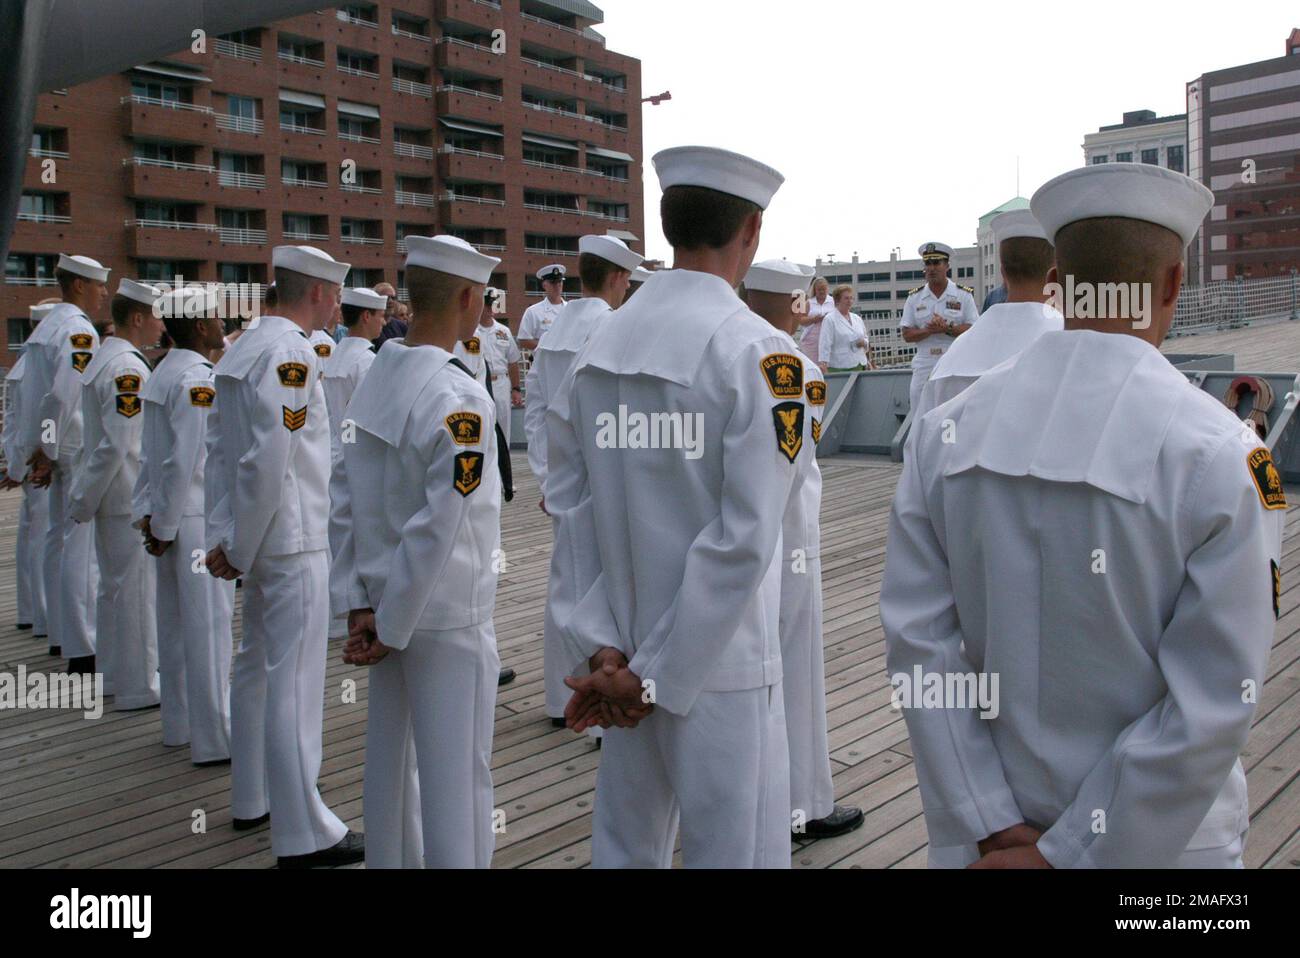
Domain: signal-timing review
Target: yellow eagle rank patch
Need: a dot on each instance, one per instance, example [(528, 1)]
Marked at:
[(784, 375), (128, 405), (293, 375), (466, 428), (788, 419), (1268, 481), (323, 350), (816, 390), (202, 396), (294, 419), (81, 360), (81, 340), (468, 473)]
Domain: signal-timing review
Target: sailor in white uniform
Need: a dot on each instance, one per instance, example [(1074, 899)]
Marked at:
[(1104, 538), (605, 265), (774, 289), (193, 612), (418, 502), (539, 317), (1009, 327), (34, 513), (934, 316), (363, 311), (59, 351), (270, 519), (669, 529), (126, 633), (501, 359)]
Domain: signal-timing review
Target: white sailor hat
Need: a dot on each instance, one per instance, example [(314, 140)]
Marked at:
[(310, 262), (141, 293), (451, 255), (778, 276), (641, 274), (611, 248), (720, 170), (934, 251), (1135, 191), (192, 301), (37, 313), (83, 266), (548, 272), (1015, 224), (364, 298)]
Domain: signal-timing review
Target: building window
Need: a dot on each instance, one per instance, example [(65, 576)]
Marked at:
[(31, 269), (1124, 157), (151, 90), (1098, 160), (19, 330), (1174, 159), (1151, 157), (166, 271)]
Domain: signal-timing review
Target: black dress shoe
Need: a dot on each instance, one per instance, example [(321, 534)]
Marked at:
[(84, 665), (24, 626), (350, 850), (56, 651), (840, 821), (506, 677), (559, 723), (248, 824), (212, 764)]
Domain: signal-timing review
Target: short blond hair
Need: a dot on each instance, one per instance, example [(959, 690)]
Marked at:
[(838, 290)]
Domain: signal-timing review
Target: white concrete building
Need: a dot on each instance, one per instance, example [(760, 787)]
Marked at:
[(1143, 137)]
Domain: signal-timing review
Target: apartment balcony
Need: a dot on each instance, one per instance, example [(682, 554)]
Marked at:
[(298, 128), (556, 36), (471, 211), (559, 80), (38, 281), (555, 178), (453, 54), (237, 51), (456, 163), (410, 46), (413, 157), (160, 179), (293, 236), (423, 200), (303, 195), (468, 104), (412, 88), (240, 124), (150, 118), (56, 218), (557, 121), (363, 240), (241, 181), (558, 219), (164, 239), (480, 13), (241, 237)]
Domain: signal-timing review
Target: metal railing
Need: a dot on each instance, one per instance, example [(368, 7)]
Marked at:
[(551, 66), (358, 22), (296, 128), (453, 88), (43, 218), (550, 23), (171, 225), (453, 41), (461, 198), (296, 58), (248, 181), (30, 281), (364, 240), (358, 72), (612, 217), (541, 251), (399, 32), (359, 138), (50, 154), (413, 149), (557, 111), (553, 166), (306, 237), (543, 208), (358, 188), (403, 198), (242, 237), (1235, 303), (166, 164), (240, 51), (167, 104), (414, 87), (448, 150), (240, 124), (310, 184)]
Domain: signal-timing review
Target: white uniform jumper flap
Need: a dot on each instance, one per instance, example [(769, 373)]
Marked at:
[(108, 353), (1110, 393), (664, 329), (1004, 331), (407, 370), (573, 326), (170, 370), (240, 358)]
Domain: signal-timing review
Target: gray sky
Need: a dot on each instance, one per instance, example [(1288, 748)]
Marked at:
[(899, 123)]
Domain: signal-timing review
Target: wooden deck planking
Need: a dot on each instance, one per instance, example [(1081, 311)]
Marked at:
[(81, 794)]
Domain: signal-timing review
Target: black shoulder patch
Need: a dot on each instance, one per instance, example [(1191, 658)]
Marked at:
[(784, 375), (202, 396), (323, 350), (81, 360), (788, 419), (293, 375), (81, 340), (129, 383), (466, 428), (467, 474), (816, 390), (1268, 481), (473, 346), (128, 405)]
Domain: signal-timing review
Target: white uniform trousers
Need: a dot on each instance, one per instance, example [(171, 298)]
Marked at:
[(33, 524), (194, 648), (432, 705), (812, 796), (124, 612), (71, 577), (553, 657), (723, 769), (919, 378), (501, 394), (277, 703)]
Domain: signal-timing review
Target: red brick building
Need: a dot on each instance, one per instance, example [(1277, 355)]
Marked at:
[(509, 124)]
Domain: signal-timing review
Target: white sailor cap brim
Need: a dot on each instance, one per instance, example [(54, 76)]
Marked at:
[(1135, 191), (779, 276), (450, 255), (37, 313), (641, 274), (549, 272), (1016, 224), (83, 266), (934, 251), (612, 249), (310, 261), (189, 302), (364, 298), (720, 170), (141, 293)]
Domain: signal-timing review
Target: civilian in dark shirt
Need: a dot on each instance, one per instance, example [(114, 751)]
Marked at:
[(394, 326)]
